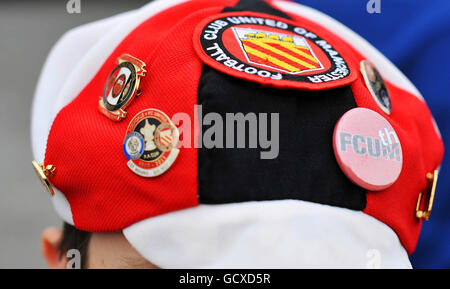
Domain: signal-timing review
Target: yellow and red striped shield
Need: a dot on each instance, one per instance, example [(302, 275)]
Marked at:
[(288, 53), (165, 137)]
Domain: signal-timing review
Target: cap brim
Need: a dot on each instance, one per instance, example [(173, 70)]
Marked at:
[(268, 234)]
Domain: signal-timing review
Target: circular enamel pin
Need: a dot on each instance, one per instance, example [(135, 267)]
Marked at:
[(272, 51), (133, 146), (376, 86), (367, 149), (150, 143), (121, 87)]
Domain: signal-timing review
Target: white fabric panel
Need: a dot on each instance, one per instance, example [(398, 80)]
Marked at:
[(269, 234), (62, 207)]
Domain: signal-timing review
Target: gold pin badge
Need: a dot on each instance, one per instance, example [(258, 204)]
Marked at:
[(43, 174), (151, 143), (121, 87), (426, 198)]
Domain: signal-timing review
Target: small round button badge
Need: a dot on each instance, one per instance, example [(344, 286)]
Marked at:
[(367, 149), (133, 146), (376, 86)]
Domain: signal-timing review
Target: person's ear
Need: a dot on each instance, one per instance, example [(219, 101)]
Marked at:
[(51, 237)]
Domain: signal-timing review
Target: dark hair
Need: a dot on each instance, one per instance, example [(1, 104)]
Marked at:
[(75, 239)]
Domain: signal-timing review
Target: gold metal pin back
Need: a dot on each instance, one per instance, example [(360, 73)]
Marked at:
[(426, 198), (43, 174)]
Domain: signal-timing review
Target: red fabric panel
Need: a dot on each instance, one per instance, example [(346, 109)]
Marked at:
[(422, 153), (86, 147), (422, 148)]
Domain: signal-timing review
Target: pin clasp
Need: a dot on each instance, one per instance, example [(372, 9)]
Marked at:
[(43, 174), (425, 199)]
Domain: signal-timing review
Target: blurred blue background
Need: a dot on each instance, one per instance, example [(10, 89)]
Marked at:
[(414, 35)]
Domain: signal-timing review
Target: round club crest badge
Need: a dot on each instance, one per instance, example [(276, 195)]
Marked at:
[(273, 51), (376, 86), (133, 146), (121, 87), (150, 143)]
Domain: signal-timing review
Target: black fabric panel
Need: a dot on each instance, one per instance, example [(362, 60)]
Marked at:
[(256, 6), (305, 169)]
